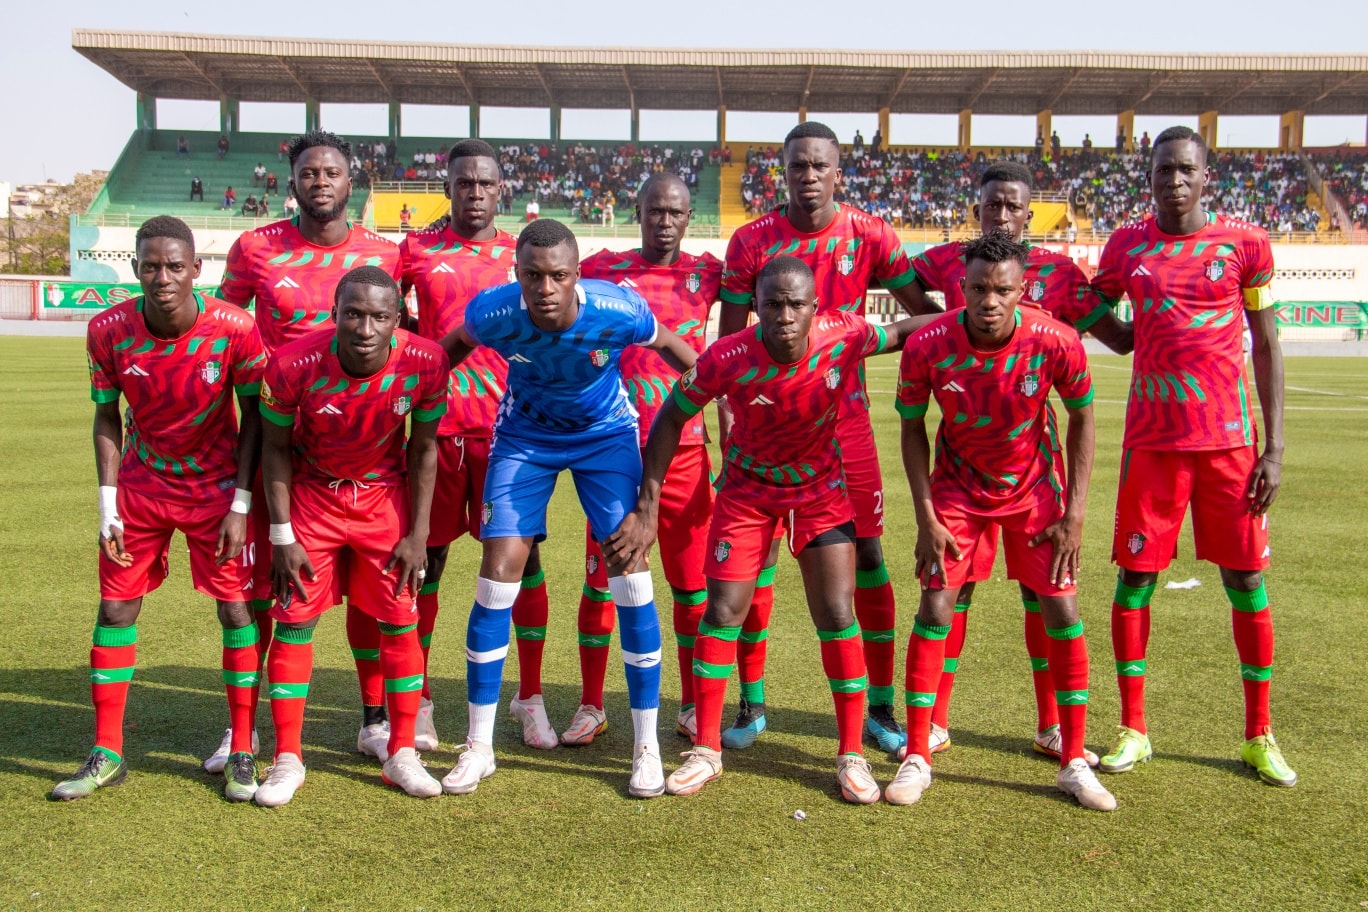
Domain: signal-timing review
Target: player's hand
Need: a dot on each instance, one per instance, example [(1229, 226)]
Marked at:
[(933, 541), (1263, 484), (631, 541), (232, 536), (1066, 540), (289, 565), (410, 556), (113, 546)]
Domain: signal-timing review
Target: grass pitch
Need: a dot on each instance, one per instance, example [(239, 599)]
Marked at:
[(556, 829)]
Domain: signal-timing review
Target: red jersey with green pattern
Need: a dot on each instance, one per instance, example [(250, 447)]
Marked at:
[(680, 296), (1053, 282), (448, 271), (853, 252), (293, 280), (1188, 386), (180, 429), (353, 427), (997, 442), (785, 414)]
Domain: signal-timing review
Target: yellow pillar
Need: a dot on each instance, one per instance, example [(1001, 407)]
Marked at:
[(721, 125), (966, 138), (1044, 127), (802, 114), (1125, 126), (883, 127), (1206, 128), (1290, 131)]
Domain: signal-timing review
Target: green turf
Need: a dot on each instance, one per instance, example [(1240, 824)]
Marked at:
[(556, 829)]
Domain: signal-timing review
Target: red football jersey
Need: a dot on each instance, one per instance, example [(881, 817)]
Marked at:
[(1188, 386), (448, 271), (180, 430), (997, 440), (353, 427), (680, 296), (785, 414), (1053, 282), (292, 280)]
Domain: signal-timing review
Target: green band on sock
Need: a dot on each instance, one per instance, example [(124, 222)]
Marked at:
[(1072, 632), (366, 655), (729, 634), (877, 636), (595, 640), (1130, 597), (871, 579), (1031, 605), (950, 666), (684, 641), (881, 696), (920, 700), (115, 636), (241, 678), (961, 607), (1039, 664), (529, 633), (709, 670), (766, 576), (1256, 672), (430, 588), (755, 636), (260, 605), (849, 685), (282, 691), (690, 597), (404, 685), (1071, 697), (533, 580), (300, 635), (108, 753), (828, 636), (425, 641), (753, 691), (395, 630), (111, 675), (1248, 601), (929, 631), (241, 637), (596, 595), (1131, 668)]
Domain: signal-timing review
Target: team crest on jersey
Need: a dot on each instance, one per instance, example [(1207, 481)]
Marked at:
[(1036, 290), (487, 513), (846, 264), (403, 405), (1135, 543), (210, 371), (693, 283), (1216, 270), (832, 378), (512, 274), (591, 564), (1030, 384), (722, 551), (599, 357)]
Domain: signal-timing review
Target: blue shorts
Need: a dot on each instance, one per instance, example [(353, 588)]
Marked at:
[(606, 467)]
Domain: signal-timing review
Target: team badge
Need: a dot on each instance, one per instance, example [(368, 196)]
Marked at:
[(599, 357), (1135, 543), (846, 264), (1030, 384), (210, 371), (1036, 291), (591, 564), (487, 513), (403, 405), (688, 377), (832, 378), (693, 283), (1216, 270), (512, 274), (722, 551)]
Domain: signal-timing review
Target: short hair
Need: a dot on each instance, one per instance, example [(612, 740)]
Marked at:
[(783, 265), (812, 129), (299, 144), (472, 148), (995, 247), (661, 179), (1007, 172), (547, 233), (1178, 134), (165, 226), (367, 275)]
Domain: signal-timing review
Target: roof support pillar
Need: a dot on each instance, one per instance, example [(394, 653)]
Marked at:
[(636, 125), (1125, 131), (1290, 128), (312, 118), (1206, 128), (555, 123), (1044, 127), (802, 114), (396, 120), (228, 116), (474, 120), (721, 125), (883, 126), (966, 134), (147, 112)]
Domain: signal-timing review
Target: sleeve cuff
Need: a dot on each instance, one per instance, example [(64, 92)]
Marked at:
[(431, 414), (685, 404), (248, 389), (908, 410), (732, 297), (1083, 400), (103, 396), (1092, 317), (275, 417), (899, 281)]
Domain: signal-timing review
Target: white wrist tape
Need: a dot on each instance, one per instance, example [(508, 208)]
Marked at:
[(109, 510), (282, 534), (242, 501)]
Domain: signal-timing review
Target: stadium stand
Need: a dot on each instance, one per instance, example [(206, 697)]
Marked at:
[(1346, 175)]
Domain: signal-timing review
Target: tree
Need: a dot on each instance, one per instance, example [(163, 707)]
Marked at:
[(40, 243)]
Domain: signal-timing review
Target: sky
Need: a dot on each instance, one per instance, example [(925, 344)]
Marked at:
[(78, 117)]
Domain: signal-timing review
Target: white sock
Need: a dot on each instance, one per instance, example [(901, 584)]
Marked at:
[(482, 718), (644, 724)]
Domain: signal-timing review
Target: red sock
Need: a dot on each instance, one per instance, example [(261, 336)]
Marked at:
[(261, 614), (427, 622), (1130, 631), (290, 666), (113, 656), (401, 661), (596, 616), (1038, 650), (1252, 622), (843, 660), (925, 664), (876, 610), (714, 659), (753, 645), (687, 613), (530, 611), (1069, 673), (954, 647), (241, 680), (363, 636)]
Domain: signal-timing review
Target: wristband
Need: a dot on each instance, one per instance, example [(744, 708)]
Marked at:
[(109, 510), (282, 534), (242, 501)]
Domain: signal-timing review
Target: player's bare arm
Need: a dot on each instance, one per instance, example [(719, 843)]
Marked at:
[(233, 529), (673, 349), (912, 297), (932, 537), (108, 435), (458, 345), (1066, 535), (1267, 358), (289, 561), (410, 554), (898, 332), (633, 538), (1111, 332)]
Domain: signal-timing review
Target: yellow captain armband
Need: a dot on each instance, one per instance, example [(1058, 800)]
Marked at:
[(1260, 298)]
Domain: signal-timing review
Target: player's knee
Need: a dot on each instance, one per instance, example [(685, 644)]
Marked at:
[(115, 613), (725, 611), (1137, 579), (1241, 580), (831, 614), (234, 614), (868, 553), (937, 607), (1058, 610), (436, 563)]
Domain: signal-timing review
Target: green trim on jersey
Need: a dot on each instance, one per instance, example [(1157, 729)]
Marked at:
[(900, 280), (911, 411), (731, 297), (1090, 318), (682, 402), (1081, 402)]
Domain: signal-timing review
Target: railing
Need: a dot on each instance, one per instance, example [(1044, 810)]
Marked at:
[(222, 222)]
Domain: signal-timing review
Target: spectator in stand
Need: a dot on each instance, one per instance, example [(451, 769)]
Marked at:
[(291, 206), (283, 150), (182, 146), (196, 189), (533, 209), (1054, 144), (1120, 141), (1087, 142), (272, 183), (250, 206), (877, 144), (1145, 143), (222, 147), (229, 199), (258, 175), (405, 219), (858, 145)]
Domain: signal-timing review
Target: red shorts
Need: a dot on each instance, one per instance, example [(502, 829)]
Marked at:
[(349, 533), (863, 477), (1156, 489), (148, 524), (259, 539), (985, 555), (747, 514), (1027, 565), (459, 493)]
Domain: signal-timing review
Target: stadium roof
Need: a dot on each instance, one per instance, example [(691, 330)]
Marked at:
[(169, 65)]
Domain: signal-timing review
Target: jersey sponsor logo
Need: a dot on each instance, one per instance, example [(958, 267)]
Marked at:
[(953, 387), (1140, 270), (443, 267), (403, 405), (134, 370), (1215, 270), (487, 513), (832, 378), (1030, 384), (286, 282), (520, 358), (329, 409), (1135, 543), (693, 283), (1036, 290), (722, 551), (762, 399), (210, 371), (846, 264), (599, 357)]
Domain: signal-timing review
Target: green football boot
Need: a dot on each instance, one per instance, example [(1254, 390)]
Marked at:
[(240, 777), (1263, 754), (1132, 748), (101, 768)]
